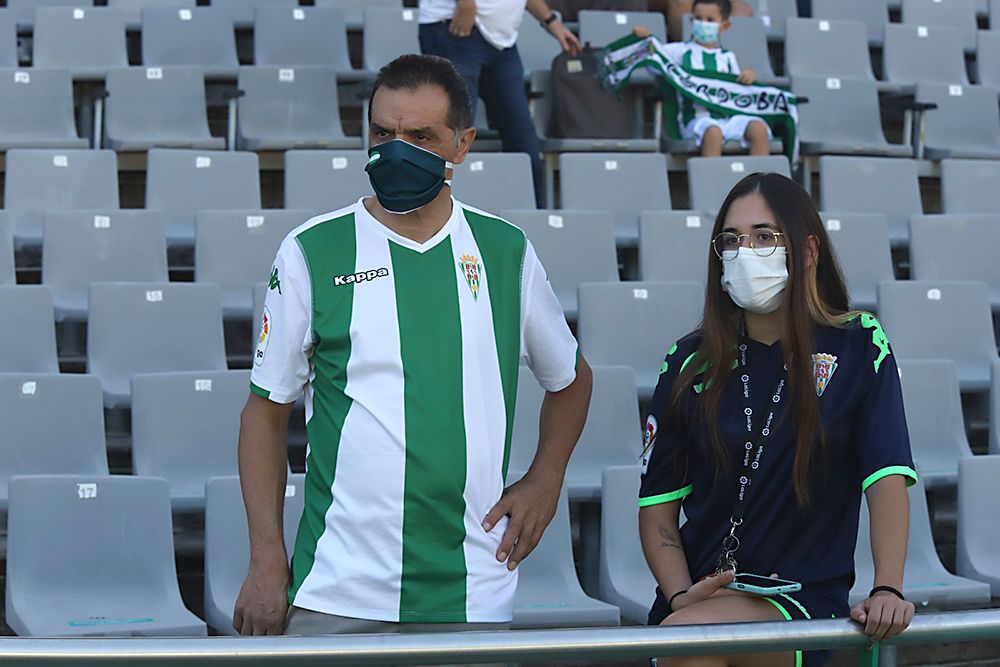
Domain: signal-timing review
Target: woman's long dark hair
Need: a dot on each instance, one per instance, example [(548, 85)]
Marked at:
[(813, 295)]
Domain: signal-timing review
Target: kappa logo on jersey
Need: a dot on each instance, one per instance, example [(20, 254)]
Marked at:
[(360, 277), (471, 268), (649, 439), (263, 338), (823, 367), (274, 283)]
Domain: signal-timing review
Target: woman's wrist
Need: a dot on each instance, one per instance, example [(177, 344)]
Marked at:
[(672, 602)]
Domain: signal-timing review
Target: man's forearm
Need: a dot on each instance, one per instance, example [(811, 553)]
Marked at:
[(561, 421), (889, 507), (539, 9), (263, 466)]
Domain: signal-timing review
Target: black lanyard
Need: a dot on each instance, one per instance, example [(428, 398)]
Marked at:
[(753, 451)]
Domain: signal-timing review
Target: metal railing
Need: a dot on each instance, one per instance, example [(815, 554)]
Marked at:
[(521, 646)]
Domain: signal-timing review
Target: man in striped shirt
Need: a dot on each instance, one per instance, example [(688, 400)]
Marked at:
[(703, 53), (402, 319)]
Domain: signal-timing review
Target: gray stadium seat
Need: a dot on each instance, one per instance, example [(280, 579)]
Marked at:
[(84, 247), (34, 443), (180, 183), (925, 581), (994, 447), (549, 594), (626, 184), (843, 117), (774, 14), (861, 244), (933, 405), (235, 250), (8, 39), (874, 14), (47, 180), (93, 556), (37, 110), (200, 37), (24, 10), (674, 245), (965, 123), (827, 48), (915, 53), (978, 543), (7, 276), (289, 107), (988, 54), (322, 181), (617, 321), (611, 436), (625, 579), (600, 28), (30, 346), (139, 328), (941, 320), (133, 8), (959, 14), (969, 186), (711, 178), (303, 36), (747, 39), (845, 186), (389, 33), (494, 181), (536, 47), (591, 235), (157, 106), (241, 12), (86, 41), (354, 9), (186, 452), (227, 544), (957, 247)]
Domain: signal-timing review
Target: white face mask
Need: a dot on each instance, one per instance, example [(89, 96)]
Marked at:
[(705, 32), (754, 283)]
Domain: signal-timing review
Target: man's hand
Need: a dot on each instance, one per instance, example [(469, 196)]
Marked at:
[(884, 615), (747, 77), (464, 19), (531, 504), (263, 600), (567, 40)]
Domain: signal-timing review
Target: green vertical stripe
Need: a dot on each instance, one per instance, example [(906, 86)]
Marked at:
[(503, 247), (708, 62), (430, 336), (329, 250), (687, 106)]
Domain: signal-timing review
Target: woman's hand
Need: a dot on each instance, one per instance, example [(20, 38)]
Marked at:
[(703, 590), (884, 615)]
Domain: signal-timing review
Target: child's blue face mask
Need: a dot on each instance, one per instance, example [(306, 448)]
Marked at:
[(705, 32)]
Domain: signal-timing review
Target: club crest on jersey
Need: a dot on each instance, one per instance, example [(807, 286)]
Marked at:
[(649, 439), (471, 268), (263, 338), (824, 366)]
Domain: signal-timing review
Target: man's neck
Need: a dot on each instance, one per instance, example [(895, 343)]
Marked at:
[(420, 225), (767, 328)]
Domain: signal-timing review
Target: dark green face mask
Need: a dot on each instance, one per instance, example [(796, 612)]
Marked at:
[(405, 177)]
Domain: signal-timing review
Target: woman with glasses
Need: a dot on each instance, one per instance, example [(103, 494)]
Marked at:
[(769, 424)]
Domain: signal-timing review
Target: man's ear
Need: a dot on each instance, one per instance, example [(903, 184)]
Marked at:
[(465, 139)]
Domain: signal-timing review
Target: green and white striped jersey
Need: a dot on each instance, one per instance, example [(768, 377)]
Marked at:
[(408, 356), (693, 56)]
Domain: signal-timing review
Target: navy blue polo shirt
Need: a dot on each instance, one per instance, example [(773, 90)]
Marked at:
[(861, 409)]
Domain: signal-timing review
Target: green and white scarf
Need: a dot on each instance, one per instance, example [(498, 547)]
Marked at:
[(718, 92)]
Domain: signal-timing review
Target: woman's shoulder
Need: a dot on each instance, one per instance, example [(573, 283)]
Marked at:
[(680, 351), (863, 333)]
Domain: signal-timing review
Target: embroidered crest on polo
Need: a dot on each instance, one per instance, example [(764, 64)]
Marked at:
[(824, 366), (472, 269)]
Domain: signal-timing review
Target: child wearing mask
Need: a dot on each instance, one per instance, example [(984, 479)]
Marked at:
[(703, 53)]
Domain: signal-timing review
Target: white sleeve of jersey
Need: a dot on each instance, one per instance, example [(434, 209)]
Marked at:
[(284, 345), (675, 51), (546, 341)]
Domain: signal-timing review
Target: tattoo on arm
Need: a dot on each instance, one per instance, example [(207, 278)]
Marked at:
[(671, 538)]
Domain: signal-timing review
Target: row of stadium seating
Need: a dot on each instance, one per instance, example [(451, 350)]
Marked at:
[(180, 183), (95, 555)]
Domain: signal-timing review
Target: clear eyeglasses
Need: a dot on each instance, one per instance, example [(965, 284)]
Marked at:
[(763, 241)]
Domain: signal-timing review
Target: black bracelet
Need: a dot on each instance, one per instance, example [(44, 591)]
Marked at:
[(886, 589), (670, 602)]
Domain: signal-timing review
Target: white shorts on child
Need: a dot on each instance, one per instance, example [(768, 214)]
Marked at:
[(733, 128)]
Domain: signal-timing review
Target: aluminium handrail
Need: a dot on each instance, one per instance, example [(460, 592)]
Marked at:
[(538, 646)]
